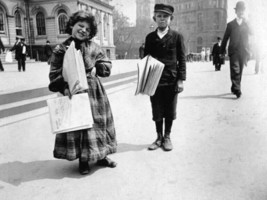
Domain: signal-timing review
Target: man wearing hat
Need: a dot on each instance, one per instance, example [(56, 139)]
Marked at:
[(20, 53), (167, 46), (237, 31), (218, 59)]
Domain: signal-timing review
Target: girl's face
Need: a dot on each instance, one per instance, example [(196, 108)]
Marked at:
[(81, 30), (162, 19)]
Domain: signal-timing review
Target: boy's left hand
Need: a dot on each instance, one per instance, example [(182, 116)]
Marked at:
[(179, 87)]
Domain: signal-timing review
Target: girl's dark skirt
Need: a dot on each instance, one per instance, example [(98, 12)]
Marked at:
[(164, 103), (95, 143)]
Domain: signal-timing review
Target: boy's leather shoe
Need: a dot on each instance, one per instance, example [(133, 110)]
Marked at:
[(167, 144), (155, 145)]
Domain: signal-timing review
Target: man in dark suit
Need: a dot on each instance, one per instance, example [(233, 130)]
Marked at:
[(48, 51), (20, 53), (2, 47), (167, 46), (238, 32), (141, 51), (218, 59), (15, 45)]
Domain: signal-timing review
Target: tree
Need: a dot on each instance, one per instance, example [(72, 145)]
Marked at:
[(123, 34), (120, 23)]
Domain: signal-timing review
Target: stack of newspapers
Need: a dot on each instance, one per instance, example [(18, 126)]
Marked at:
[(149, 73), (72, 114)]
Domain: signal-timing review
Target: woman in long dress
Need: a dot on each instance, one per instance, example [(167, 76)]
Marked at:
[(96, 143)]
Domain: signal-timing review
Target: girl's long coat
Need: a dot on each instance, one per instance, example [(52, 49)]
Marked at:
[(97, 142)]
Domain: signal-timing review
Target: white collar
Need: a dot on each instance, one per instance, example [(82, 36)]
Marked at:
[(239, 20), (161, 34)]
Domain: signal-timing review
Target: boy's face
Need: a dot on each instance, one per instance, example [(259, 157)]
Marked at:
[(162, 19)]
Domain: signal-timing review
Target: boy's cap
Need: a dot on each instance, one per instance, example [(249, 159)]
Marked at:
[(164, 8)]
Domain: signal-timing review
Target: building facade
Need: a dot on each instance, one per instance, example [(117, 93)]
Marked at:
[(200, 21), (42, 20)]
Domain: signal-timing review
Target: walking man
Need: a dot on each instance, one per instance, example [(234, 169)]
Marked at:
[(237, 31), (167, 46), (48, 51), (20, 53), (218, 59)]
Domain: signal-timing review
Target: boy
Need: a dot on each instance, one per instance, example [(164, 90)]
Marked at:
[(167, 46)]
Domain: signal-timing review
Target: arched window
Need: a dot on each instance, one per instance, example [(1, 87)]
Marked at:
[(62, 21), (18, 23), (40, 22), (2, 21)]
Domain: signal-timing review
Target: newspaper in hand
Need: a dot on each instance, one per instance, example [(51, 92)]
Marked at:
[(70, 114), (149, 73), (74, 70)]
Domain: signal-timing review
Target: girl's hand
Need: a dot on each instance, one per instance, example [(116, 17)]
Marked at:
[(67, 92), (93, 72)]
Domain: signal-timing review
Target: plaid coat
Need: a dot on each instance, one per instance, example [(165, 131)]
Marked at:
[(95, 143)]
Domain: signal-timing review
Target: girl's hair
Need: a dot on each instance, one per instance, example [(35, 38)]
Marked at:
[(82, 16)]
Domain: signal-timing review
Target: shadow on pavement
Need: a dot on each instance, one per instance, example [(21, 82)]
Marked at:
[(123, 147), (218, 96), (18, 172)]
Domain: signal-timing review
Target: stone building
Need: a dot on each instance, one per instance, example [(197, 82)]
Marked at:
[(42, 20), (200, 21)]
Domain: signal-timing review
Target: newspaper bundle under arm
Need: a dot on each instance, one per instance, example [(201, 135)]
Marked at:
[(149, 73), (74, 70)]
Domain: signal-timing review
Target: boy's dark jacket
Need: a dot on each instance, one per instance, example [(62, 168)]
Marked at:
[(170, 50)]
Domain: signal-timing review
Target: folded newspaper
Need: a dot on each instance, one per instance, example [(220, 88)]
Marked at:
[(74, 70), (149, 73), (70, 114)]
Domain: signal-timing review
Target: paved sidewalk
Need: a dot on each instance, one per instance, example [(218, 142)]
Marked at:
[(220, 148), (36, 75)]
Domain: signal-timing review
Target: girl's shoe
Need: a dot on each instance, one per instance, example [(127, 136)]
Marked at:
[(107, 162), (83, 167)]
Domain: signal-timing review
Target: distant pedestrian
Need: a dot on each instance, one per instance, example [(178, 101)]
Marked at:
[(141, 51), (203, 54), (20, 53), (93, 144), (2, 47), (218, 58), (237, 31), (167, 46), (207, 54), (48, 51), (14, 48), (258, 59)]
